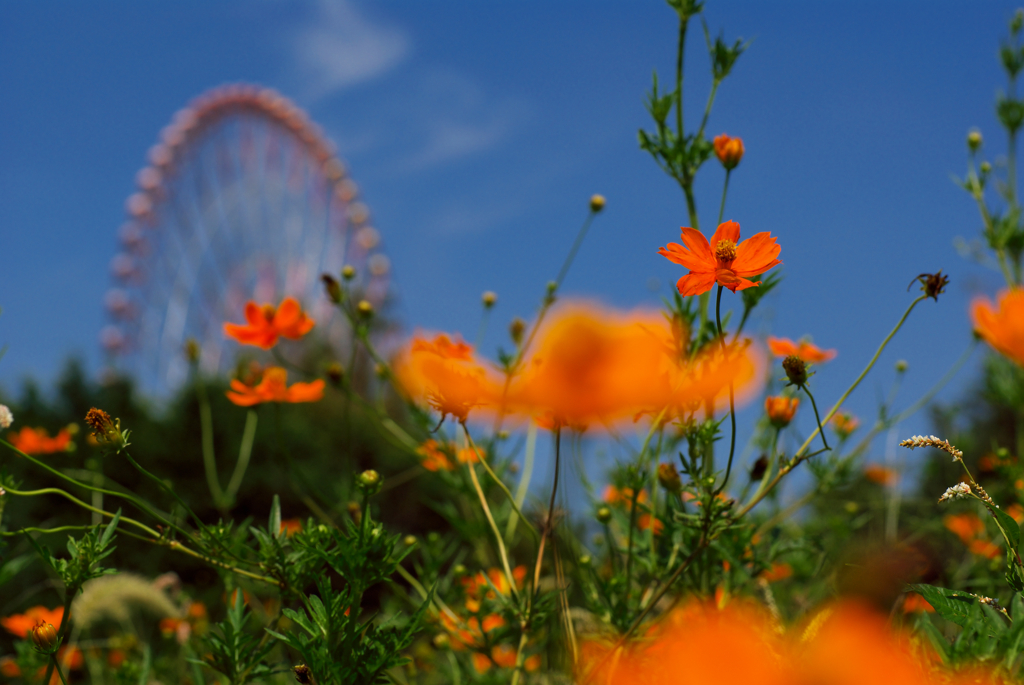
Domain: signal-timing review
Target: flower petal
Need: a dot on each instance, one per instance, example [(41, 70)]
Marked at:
[(781, 347), (728, 230), (756, 255), (695, 283)]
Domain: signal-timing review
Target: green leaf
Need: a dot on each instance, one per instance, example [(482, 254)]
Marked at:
[(275, 517), (1009, 527), (951, 605)]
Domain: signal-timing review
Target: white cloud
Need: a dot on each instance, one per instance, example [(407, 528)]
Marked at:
[(340, 47)]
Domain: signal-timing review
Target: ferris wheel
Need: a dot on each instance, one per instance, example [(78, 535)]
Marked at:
[(243, 199)]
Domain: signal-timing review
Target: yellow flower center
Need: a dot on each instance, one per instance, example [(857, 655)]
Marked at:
[(269, 310), (725, 251)]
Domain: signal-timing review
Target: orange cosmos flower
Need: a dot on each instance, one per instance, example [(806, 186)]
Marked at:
[(781, 409), (273, 388), (784, 347), (596, 366), (728, 150), (433, 457), (446, 374), (264, 324), (1002, 327), (291, 526), (646, 522), (915, 603), (879, 474), (984, 548), (724, 260), (614, 495), (778, 571), (38, 441), (21, 624)]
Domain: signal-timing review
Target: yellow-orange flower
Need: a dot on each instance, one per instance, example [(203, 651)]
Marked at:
[(38, 441), (21, 624), (273, 387), (648, 522), (784, 347), (432, 457), (593, 366), (778, 571), (266, 323), (446, 374), (725, 260), (1002, 327), (728, 150), (781, 409)]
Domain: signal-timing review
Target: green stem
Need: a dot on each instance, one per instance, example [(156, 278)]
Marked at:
[(209, 456), (524, 480), (502, 552), (575, 247), (816, 417), (163, 485), (732, 398), (725, 190), (244, 454), (69, 596), (799, 456), (707, 112), (549, 521), (494, 477), (629, 543), (680, 51)]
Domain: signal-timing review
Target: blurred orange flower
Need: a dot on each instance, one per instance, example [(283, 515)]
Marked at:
[(446, 374), (724, 260), (1016, 512), (432, 458), (646, 521), (781, 409), (21, 624), (984, 548), (273, 387), (844, 423), (784, 347), (879, 474), (1002, 327), (38, 441), (966, 526), (291, 526), (593, 366), (614, 495), (264, 324), (728, 150), (915, 603), (779, 570)]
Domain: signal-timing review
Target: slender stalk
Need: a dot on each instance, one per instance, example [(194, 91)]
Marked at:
[(494, 477), (680, 52), (732, 397), (575, 247), (548, 523), (524, 480), (704, 120), (629, 543), (54, 664), (800, 453), (494, 528), (725, 190), (244, 454), (817, 418), (164, 486), (62, 629), (209, 457)]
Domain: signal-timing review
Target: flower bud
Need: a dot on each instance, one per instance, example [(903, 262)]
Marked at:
[(728, 150), (1017, 22), (409, 540), (974, 140), (985, 167), (489, 298), (932, 285), (668, 476), (333, 288), (442, 641), (586, 560), (596, 203), (796, 370), (365, 309), (355, 511), (303, 675), (459, 570), (348, 272), (516, 329), (380, 370), (759, 468), (604, 514), (192, 350), (335, 372), (902, 366), (781, 409), (369, 482), (44, 637)]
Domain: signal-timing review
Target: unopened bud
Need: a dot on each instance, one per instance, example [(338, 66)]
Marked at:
[(459, 570), (441, 641), (333, 288), (409, 540), (489, 298), (355, 511), (604, 514), (759, 468), (303, 675), (932, 285), (348, 272), (585, 560), (336, 373), (668, 476), (380, 370), (369, 481), (516, 329), (365, 309), (796, 370), (1017, 22), (902, 366), (974, 140), (596, 203), (105, 430), (44, 637), (192, 350), (985, 167)]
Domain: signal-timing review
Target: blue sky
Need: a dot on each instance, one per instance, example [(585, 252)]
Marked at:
[(477, 132)]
